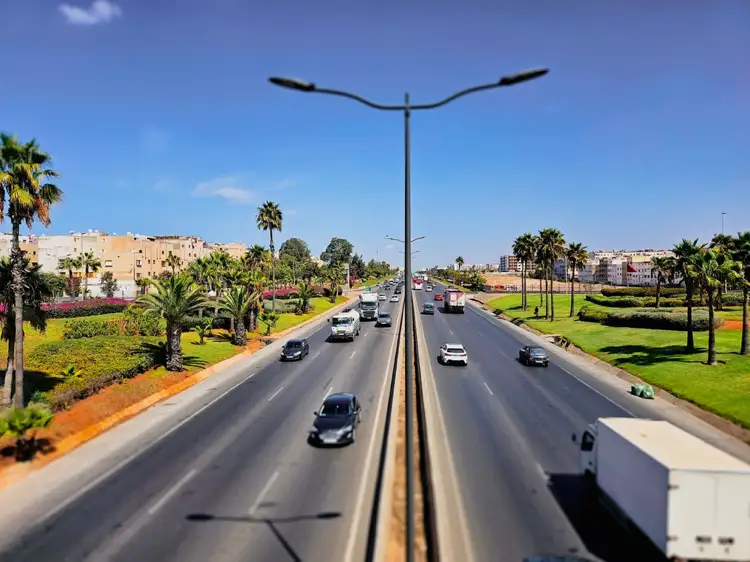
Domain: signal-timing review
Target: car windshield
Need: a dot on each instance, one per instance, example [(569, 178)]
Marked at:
[(384, 315), (335, 409), (294, 345), (342, 321), (454, 350), (538, 352), (428, 306)]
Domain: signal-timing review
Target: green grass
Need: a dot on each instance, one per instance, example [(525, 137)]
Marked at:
[(215, 349), (656, 356), (289, 320), (370, 282)]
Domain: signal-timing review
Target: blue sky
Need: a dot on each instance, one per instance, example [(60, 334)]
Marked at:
[(160, 118)]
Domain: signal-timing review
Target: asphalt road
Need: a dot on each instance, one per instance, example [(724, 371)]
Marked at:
[(509, 430), (239, 481)]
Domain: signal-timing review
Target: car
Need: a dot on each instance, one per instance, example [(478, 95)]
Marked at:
[(438, 297), (428, 288), (336, 421), (533, 355), (428, 308), (382, 297), (394, 298), (398, 290), (384, 319), (295, 350), (453, 353)]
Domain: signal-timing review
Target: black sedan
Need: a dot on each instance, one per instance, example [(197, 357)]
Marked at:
[(337, 420), (295, 350), (529, 355)]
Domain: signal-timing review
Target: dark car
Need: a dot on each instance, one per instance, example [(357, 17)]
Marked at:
[(529, 355), (398, 290), (428, 308), (295, 350), (384, 319), (337, 420)]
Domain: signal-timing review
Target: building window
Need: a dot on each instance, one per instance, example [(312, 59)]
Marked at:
[(138, 263), (137, 275), (107, 263)]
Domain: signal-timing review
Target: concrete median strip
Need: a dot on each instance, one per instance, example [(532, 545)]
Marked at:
[(19, 471)]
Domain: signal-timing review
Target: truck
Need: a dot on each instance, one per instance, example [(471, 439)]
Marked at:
[(345, 325), (368, 306), (454, 300), (417, 283), (690, 499)]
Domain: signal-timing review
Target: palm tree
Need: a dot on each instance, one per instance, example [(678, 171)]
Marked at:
[(70, 264), (721, 243), (686, 253), (173, 261), (305, 293), (710, 268), (577, 257), (551, 247), (270, 218), (459, 265), (236, 303), (36, 292), (175, 300), (256, 284), (334, 274), (741, 254), (523, 249), (664, 269), (253, 258), (24, 173), (90, 264)]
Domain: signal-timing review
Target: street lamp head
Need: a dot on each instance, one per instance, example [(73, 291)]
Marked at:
[(292, 84), (525, 76)]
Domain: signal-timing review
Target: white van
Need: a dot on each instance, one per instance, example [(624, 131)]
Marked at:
[(345, 326)]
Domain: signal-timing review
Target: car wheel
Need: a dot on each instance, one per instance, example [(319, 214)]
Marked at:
[(546, 365), (354, 435)]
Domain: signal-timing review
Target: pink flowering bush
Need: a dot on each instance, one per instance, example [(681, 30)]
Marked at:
[(91, 307)]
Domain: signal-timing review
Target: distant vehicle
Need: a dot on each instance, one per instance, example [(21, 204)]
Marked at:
[(384, 319), (368, 306), (382, 297), (453, 353), (295, 350), (454, 300), (345, 326), (417, 283), (533, 355), (692, 499), (428, 288), (337, 420), (398, 290), (428, 308), (394, 298), (438, 297)]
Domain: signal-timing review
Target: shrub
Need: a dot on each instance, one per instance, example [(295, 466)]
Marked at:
[(86, 328), (618, 302), (641, 291), (91, 307), (102, 360), (218, 322), (281, 294), (288, 306), (138, 322), (650, 319), (732, 299)]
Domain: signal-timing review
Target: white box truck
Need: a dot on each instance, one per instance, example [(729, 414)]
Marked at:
[(345, 326), (368, 306), (454, 300), (689, 498)]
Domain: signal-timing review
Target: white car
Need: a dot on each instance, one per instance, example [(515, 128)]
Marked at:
[(453, 353), (394, 298), (428, 288), (382, 297)]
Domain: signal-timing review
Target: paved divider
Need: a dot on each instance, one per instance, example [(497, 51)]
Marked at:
[(450, 534)]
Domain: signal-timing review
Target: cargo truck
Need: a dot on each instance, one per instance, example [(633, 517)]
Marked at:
[(691, 500), (454, 300), (345, 326), (368, 306)]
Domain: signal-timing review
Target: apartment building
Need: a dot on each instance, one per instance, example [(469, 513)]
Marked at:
[(28, 244), (509, 264), (622, 267)]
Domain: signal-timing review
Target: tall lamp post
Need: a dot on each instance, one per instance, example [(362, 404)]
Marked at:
[(722, 222), (406, 108)]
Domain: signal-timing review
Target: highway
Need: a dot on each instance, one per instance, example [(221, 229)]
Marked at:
[(509, 431), (239, 481)]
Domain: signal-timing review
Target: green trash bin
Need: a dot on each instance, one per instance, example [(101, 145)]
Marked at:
[(642, 391)]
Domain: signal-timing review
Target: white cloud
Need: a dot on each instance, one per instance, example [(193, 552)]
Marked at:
[(154, 141), (100, 11), (225, 188)]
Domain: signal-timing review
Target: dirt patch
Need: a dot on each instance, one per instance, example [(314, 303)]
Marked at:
[(731, 325), (99, 407), (396, 550), (510, 280)]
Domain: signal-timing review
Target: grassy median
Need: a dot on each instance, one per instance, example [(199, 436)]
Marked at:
[(656, 356)]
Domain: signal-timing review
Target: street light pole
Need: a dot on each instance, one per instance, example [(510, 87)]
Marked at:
[(406, 109), (722, 222)]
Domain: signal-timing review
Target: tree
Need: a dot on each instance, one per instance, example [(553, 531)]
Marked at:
[(524, 250), (459, 264), (236, 303), (577, 257), (296, 248), (306, 293), (270, 218), (109, 284), (175, 300), (664, 270), (334, 275), (36, 292), (686, 253), (71, 264), (741, 254), (357, 267), (24, 173), (551, 248), (56, 283), (173, 261), (254, 256), (338, 252), (722, 243), (709, 269), (89, 264)]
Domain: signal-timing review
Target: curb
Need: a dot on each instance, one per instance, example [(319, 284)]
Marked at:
[(19, 471)]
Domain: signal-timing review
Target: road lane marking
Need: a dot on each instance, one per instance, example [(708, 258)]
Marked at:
[(503, 353), (314, 356), (171, 492), (352, 355), (263, 493), (275, 394), (366, 333), (328, 393), (451, 331), (488, 389)]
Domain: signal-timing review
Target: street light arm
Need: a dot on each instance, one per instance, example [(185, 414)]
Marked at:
[(457, 95), (360, 99)]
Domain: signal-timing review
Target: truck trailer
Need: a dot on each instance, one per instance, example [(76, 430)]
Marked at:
[(454, 300), (690, 499), (368, 306)]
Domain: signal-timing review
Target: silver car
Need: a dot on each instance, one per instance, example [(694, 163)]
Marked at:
[(384, 319), (382, 297)]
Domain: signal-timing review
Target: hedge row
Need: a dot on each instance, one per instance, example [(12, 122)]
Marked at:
[(641, 291), (729, 299), (92, 307), (102, 360), (134, 322), (650, 319)]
